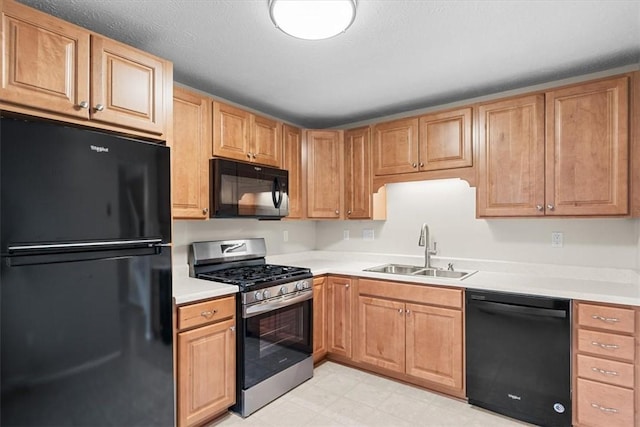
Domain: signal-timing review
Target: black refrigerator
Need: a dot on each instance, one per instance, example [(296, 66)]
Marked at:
[(85, 289)]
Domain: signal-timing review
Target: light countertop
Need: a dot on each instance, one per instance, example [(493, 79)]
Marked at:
[(607, 285)]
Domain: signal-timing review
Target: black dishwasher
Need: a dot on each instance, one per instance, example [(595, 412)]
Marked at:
[(518, 352)]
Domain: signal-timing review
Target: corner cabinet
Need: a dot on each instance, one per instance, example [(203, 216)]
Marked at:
[(319, 318), (66, 72), (240, 135), (324, 173), (339, 315), (564, 153), (190, 154), (206, 360), (414, 331)]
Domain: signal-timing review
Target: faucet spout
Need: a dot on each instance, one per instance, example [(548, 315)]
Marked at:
[(423, 240)]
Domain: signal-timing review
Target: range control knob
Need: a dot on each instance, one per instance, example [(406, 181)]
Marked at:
[(305, 284), (266, 294), (283, 290), (299, 286), (257, 295)]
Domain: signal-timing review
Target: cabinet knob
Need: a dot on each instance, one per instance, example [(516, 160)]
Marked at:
[(550, 207), (421, 164), (539, 208), (346, 286), (337, 212), (253, 155), (232, 328), (348, 212), (83, 104), (99, 107), (249, 155), (205, 211), (408, 312), (400, 311), (415, 165)]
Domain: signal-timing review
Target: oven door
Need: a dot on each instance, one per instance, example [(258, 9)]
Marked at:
[(273, 336)]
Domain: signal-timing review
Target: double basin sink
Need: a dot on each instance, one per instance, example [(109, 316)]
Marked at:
[(413, 270)]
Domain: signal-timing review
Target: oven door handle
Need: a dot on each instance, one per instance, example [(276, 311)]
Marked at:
[(256, 309)]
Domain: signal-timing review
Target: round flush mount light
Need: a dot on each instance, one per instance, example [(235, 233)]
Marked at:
[(312, 19)]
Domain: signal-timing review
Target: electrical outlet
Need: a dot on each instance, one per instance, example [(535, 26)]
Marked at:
[(367, 234), (285, 236), (345, 235), (557, 239)]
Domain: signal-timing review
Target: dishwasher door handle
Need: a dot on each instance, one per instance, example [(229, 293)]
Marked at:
[(518, 309)]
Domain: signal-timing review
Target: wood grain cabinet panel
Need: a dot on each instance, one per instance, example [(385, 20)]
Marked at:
[(324, 174), (191, 148), (266, 141), (445, 140), (292, 162), (381, 333), (320, 346), (357, 174), (602, 405), (616, 319), (339, 300), (231, 127), (395, 147), (587, 149), (606, 344), (511, 157)]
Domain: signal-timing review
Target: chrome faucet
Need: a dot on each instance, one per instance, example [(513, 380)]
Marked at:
[(424, 241)]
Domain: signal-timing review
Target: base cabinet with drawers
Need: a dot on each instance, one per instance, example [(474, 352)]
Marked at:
[(605, 365), (206, 360)]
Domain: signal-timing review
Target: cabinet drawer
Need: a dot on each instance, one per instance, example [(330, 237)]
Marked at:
[(604, 405), (605, 344), (206, 312), (608, 371), (431, 295), (604, 317)]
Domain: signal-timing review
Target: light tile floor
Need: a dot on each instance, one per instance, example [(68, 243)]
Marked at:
[(341, 396)]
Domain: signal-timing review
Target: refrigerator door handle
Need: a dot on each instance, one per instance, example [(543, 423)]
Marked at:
[(85, 245)]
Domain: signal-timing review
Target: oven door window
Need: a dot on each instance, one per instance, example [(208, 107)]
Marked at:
[(276, 340)]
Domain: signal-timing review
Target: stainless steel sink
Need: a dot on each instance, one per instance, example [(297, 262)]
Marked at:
[(413, 270)]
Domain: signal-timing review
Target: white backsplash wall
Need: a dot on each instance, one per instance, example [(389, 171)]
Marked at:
[(448, 207), (301, 234)]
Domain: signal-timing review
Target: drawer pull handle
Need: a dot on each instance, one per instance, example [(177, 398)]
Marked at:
[(605, 346), (603, 372), (604, 409), (605, 319), (208, 314)]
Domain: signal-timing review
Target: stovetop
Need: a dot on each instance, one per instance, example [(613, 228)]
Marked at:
[(257, 276)]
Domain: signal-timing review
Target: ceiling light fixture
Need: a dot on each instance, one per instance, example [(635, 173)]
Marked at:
[(312, 19)]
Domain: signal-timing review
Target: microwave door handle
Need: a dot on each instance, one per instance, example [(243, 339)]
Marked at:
[(276, 186)]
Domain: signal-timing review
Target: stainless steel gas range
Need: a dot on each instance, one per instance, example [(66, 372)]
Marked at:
[(274, 316)]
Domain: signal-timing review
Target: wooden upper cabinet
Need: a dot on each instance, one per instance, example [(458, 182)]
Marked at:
[(357, 174), (445, 140), (292, 162), (60, 69), (324, 173), (587, 149), (240, 135), (45, 62), (266, 139), (511, 157), (231, 127), (126, 86), (395, 147), (190, 154)]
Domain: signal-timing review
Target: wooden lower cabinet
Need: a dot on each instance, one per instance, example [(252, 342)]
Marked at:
[(420, 341), (319, 318), (605, 365), (206, 360), (339, 321)]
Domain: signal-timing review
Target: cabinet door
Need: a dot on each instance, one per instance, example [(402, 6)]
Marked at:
[(381, 333), (435, 345), (190, 151), (511, 157), (231, 132), (395, 148), (127, 86), (324, 174), (206, 372), (319, 318), (587, 149), (45, 62), (266, 141), (357, 174), (339, 312), (445, 140), (292, 161)]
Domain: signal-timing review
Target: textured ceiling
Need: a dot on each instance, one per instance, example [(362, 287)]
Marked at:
[(398, 55)]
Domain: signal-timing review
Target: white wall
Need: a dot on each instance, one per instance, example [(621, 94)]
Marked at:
[(448, 207), (302, 234)]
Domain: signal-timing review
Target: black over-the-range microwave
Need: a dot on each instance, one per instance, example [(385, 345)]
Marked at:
[(247, 190)]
